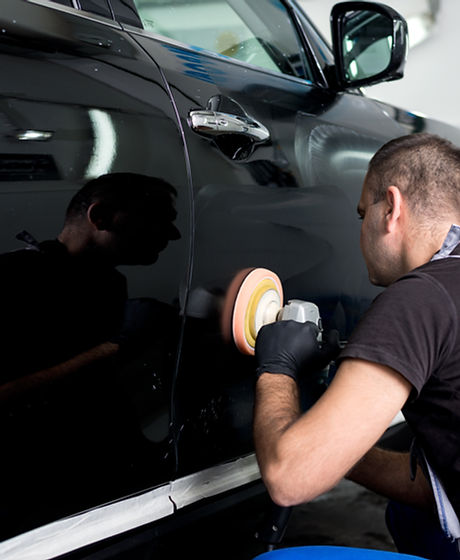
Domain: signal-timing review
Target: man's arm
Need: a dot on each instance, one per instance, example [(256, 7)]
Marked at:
[(389, 473), (303, 455), (20, 387), (141, 318)]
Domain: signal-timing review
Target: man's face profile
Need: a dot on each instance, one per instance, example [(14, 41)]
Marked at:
[(139, 235)]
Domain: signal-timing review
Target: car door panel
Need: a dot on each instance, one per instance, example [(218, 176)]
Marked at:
[(287, 204), (98, 105)]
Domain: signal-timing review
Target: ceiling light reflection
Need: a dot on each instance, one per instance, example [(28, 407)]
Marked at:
[(104, 146)]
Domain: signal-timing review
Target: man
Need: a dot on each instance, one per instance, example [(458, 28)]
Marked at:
[(65, 422), (64, 300), (404, 354)]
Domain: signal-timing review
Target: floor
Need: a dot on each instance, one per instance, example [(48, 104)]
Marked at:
[(346, 516)]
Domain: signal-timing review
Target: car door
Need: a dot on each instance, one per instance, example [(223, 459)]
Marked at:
[(79, 100), (280, 192)]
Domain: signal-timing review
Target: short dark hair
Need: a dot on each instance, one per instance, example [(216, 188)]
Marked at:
[(123, 192), (425, 167)]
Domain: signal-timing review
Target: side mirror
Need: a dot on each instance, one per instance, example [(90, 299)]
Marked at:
[(369, 42)]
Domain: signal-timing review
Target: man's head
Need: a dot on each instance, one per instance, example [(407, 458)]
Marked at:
[(122, 218), (426, 169), (410, 197)]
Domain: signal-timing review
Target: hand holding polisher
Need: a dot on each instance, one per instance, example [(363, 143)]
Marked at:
[(253, 308), (254, 300)]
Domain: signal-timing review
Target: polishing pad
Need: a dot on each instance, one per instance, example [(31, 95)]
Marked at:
[(253, 300)]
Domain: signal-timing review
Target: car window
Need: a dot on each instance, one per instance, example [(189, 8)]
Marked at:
[(64, 2), (318, 43), (258, 32), (100, 7)]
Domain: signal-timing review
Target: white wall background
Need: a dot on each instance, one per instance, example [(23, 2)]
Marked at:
[(431, 84)]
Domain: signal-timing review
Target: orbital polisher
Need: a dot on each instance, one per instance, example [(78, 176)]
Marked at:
[(255, 299)]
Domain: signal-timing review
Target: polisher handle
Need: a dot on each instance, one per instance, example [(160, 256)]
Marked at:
[(301, 311), (274, 526)]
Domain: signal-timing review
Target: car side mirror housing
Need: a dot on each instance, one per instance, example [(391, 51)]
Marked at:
[(369, 42)]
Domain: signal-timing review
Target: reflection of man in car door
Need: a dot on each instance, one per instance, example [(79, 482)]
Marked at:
[(64, 299), (65, 318)]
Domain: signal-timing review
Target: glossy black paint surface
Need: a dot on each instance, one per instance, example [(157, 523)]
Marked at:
[(116, 98), (92, 88)]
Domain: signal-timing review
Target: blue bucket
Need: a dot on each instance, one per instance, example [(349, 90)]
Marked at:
[(332, 553)]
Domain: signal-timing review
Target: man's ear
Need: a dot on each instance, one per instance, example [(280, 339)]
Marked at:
[(100, 216), (394, 207)]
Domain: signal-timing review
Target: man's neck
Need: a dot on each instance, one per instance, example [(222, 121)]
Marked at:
[(425, 243)]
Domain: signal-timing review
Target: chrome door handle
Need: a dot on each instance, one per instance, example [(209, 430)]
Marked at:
[(215, 123)]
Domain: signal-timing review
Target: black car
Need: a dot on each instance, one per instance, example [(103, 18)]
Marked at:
[(264, 133)]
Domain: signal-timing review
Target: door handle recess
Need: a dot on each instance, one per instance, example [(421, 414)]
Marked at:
[(215, 123)]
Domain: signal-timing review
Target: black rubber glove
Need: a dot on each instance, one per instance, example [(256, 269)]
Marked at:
[(290, 348)]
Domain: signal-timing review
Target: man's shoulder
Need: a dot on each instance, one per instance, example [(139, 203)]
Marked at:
[(26, 260), (436, 279), (416, 299), (416, 292), (19, 270), (18, 256)]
